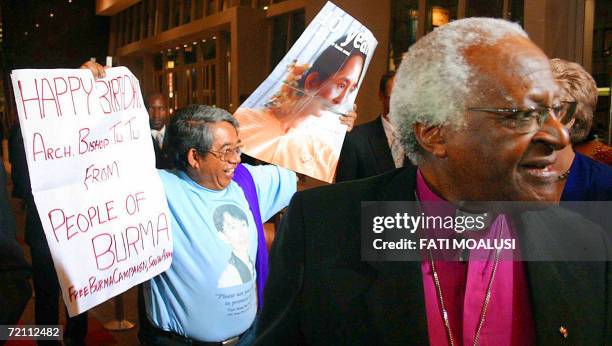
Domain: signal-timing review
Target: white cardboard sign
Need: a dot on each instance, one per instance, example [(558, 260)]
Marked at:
[(92, 169)]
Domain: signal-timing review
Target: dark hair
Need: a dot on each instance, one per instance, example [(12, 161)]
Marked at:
[(189, 128), (153, 94), (233, 210), (331, 60), (382, 87)]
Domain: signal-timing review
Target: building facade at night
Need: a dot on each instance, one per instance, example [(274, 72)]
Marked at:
[(218, 51)]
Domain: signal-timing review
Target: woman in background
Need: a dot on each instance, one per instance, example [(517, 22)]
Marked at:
[(584, 179)]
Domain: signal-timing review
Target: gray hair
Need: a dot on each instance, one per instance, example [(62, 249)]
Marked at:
[(577, 85), (434, 81), (189, 129)]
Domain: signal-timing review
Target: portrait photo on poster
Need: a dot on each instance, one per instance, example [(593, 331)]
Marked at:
[(293, 118)]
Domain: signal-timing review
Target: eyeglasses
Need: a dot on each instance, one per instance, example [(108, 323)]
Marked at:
[(531, 120), (227, 154)]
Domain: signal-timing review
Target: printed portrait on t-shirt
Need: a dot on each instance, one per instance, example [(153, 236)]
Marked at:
[(233, 228)]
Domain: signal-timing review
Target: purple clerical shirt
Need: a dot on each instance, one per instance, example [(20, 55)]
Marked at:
[(464, 285)]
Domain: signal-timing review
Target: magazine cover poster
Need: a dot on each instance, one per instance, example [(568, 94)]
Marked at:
[(293, 118)]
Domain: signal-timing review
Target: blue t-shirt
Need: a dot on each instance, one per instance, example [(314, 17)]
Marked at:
[(209, 292)]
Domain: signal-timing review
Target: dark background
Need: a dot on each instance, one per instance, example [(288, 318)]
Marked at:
[(73, 35)]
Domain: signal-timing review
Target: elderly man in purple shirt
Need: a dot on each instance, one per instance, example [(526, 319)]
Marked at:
[(479, 114)]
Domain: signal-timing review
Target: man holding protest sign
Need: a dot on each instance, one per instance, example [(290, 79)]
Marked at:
[(211, 293), (217, 205)]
